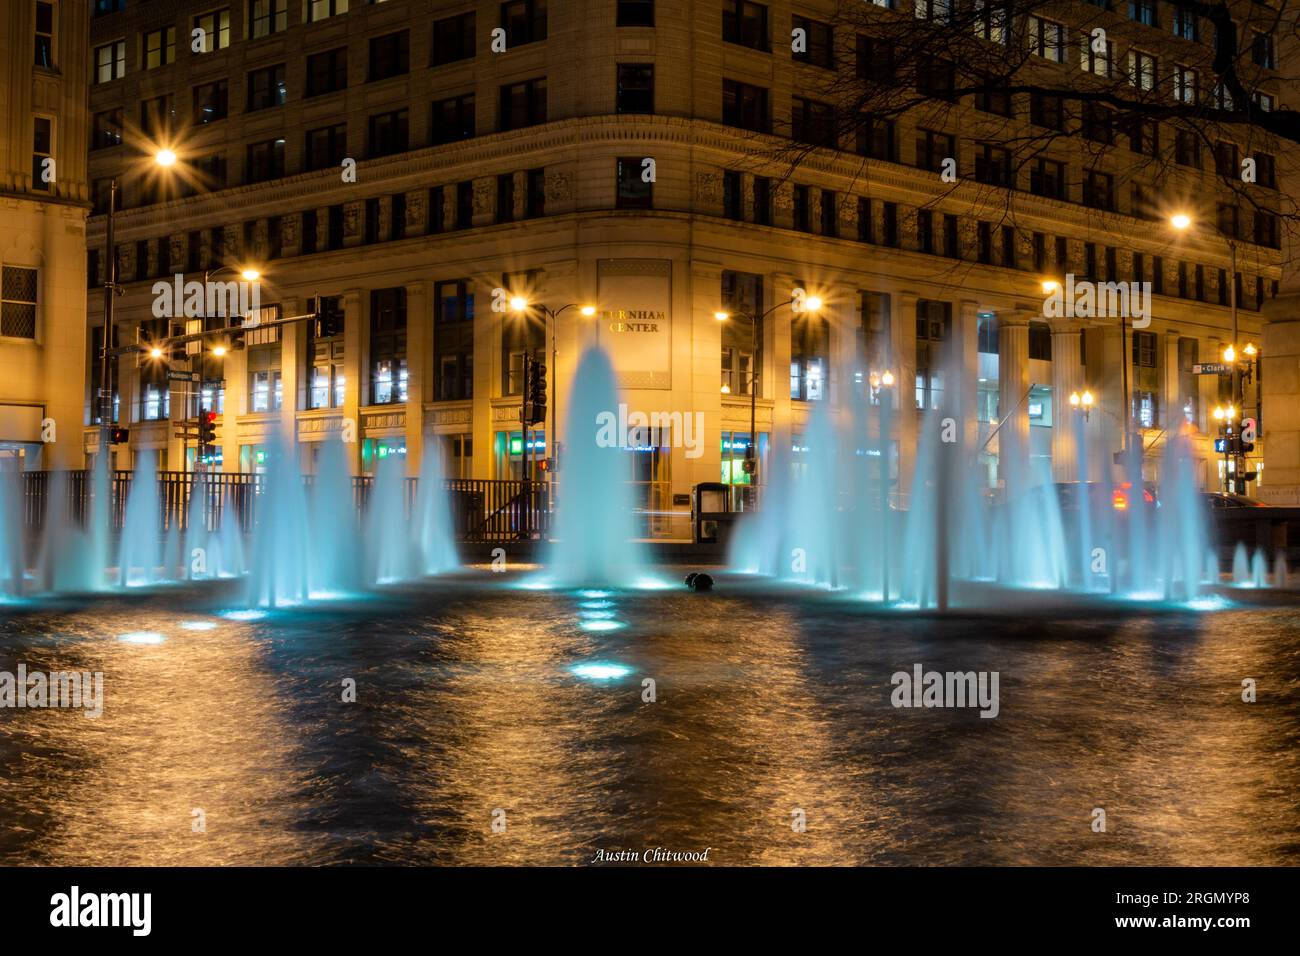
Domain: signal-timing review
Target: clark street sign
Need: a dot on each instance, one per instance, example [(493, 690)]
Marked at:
[(1212, 368)]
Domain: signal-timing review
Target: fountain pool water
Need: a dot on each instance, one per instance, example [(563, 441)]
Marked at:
[(833, 520)]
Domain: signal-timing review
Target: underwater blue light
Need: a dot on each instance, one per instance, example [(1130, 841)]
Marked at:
[(600, 670), (141, 637), (198, 625)]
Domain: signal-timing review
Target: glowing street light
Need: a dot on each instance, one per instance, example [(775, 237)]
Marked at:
[(1181, 221), (1050, 286), (1230, 355), (165, 157)]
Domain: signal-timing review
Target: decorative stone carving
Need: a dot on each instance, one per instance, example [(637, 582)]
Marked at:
[(708, 188), (783, 197), (179, 253), (505, 413), (484, 196), (351, 219), (289, 229), (449, 416), (415, 216), (232, 241), (559, 186)]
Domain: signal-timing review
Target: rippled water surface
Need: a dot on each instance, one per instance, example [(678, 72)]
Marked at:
[(468, 708)]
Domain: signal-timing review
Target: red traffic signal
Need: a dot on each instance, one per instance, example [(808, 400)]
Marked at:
[(208, 428)]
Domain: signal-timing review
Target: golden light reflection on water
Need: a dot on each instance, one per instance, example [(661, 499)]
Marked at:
[(468, 703)]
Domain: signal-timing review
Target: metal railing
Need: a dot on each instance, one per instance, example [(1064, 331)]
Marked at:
[(483, 510)]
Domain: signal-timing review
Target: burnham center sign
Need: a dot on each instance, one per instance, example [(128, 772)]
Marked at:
[(636, 321)]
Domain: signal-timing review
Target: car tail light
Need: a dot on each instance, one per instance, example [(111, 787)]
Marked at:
[(1119, 497)]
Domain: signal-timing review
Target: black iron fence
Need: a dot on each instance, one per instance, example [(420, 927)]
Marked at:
[(482, 510)]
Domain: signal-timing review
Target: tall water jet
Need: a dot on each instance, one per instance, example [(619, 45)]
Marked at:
[(435, 538), (140, 553), (65, 563), (1281, 575), (594, 525), (1240, 565), (389, 545), (1259, 570), (1181, 537), (281, 546), (336, 559), (12, 562), (99, 518), (197, 557)]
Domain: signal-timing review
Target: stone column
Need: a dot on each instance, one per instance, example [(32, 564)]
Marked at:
[(1013, 408), (293, 345), (906, 417), (966, 356), (354, 369), (418, 345), (1067, 377)]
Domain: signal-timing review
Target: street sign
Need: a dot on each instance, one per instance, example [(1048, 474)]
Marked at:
[(1211, 368), (174, 376)]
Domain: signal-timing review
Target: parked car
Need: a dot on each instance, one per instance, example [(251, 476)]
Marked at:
[(1218, 500)]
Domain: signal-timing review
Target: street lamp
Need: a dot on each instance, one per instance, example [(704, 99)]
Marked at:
[(1181, 222), (520, 305), (1082, 401), (163, 158), (811, 305)]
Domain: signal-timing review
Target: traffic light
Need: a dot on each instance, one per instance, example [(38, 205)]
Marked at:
[(536, 398), (208, 428), (119, 436)]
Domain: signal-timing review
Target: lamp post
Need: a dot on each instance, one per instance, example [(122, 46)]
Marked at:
[(520, 305), (1082, 402), (165, 159), (810, 305), (1181, 222), (1225, 417)]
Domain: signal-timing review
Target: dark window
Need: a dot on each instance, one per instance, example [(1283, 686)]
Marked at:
[(453, 119), (536, 200), (390, 55), (453, 351), (437, 219), (745, 106), (636, 13), (523, 104), (156, 118), (801, 201), (1144, 136), (951, 237), (634, 192), (326, 146), (1226, 163), (109, 6), (635, 88), (211, 102), (18, 302), (107, 129), (1182, 280), (210, 171), (829, 213), (264, 161), (866, 227), (1266, 230), (1098, 124), (505, 197), (266, 88), (453, 39), (310, 229), (1265, 170), (389, 133), (371, 232), (762, 201), (1158, 275), (984, 239), (1262, 50), (933, 148), (334, 227), (44, 55), (874, 60), (733, 203), (1047, 178), (889, 224), (745, 23), (937, 79), (1143, 11), (813, 122), (1047, 111), (387, 346), (464, 204), (1099, 190), (993, 165), (1187, 148), (1185, 23), (818, 43), (1040, 341), (876, 139), (524, 21), (1229, 221), (925, 230), (327, 72), (997, 102)]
